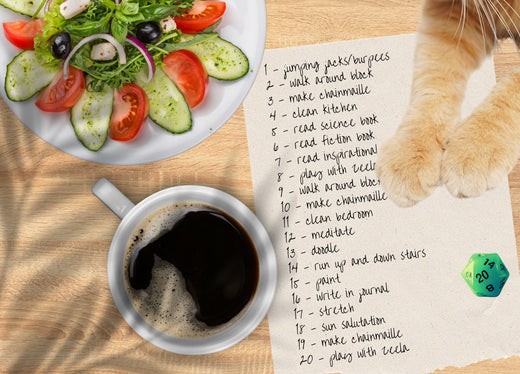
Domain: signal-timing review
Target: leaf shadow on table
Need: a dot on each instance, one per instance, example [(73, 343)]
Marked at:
[(38, 331), (14, 171), (66, 340)]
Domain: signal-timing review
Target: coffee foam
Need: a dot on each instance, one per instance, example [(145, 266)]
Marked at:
[(166, 304)]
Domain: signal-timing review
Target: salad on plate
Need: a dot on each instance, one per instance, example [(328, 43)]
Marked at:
[(114, 63)]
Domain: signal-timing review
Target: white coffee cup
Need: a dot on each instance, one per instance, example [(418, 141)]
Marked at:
[(132, 215)]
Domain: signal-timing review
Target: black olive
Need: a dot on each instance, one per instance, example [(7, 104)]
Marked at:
[(148, 32), (61, 44)]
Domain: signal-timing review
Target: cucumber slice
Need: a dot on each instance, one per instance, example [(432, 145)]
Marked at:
[(24, 6), (222, 59), (168, 108), (90, 117), (25, 76)]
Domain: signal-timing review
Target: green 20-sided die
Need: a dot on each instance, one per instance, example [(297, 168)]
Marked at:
[(485, 274)]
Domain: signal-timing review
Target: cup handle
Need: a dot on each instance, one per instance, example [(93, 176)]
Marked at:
[(112, 197)]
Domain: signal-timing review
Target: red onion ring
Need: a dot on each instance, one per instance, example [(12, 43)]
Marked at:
[(144, 51)]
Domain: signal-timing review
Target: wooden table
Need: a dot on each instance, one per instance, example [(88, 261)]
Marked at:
[(56, 311)]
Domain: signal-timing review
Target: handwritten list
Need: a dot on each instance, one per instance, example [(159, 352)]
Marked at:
[(365, 286)]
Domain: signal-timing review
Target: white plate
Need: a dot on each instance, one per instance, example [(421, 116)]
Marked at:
[(243, 24)]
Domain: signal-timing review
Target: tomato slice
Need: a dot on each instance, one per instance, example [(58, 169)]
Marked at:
[(62, 94), (189, 75), (130, 111), (21, 33), (202, 15)]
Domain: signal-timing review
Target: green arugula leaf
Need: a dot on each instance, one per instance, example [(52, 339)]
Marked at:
[(211, 28), (81, 28), (198, 38)]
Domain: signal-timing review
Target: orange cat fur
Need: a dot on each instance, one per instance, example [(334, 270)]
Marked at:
[(432, 144)]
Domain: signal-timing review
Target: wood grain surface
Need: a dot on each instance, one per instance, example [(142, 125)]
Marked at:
[(56, 311)]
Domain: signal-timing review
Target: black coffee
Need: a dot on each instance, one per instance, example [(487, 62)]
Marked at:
[(215, 256)]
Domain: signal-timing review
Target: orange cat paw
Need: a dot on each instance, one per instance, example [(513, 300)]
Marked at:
[(409, 170), (476, 161)]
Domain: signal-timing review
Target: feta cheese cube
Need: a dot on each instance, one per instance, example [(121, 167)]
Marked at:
[(71, 8), (103, 52), (168, 24)]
